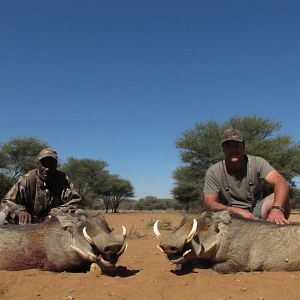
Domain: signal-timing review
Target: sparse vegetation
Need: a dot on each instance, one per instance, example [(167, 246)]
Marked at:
[(135, 233), (164, 224)]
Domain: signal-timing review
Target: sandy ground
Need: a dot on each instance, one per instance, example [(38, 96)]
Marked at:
[(145, 273)]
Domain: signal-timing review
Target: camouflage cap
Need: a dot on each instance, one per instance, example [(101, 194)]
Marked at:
[(47, 152), (232, 135)]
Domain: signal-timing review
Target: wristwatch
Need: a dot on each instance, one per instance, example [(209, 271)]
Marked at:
[(281, 208)]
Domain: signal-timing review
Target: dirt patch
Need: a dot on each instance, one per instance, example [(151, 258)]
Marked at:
[(145, 273)]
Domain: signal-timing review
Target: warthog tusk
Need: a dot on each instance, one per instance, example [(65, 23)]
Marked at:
[(123, 249), (88, 238), (192, 233), (88, 256), (124, 231), (186, 252), (155, 229), (160, 248)]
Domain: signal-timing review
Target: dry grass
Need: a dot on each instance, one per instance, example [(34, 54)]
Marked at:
[(164, 224), (135, 233)]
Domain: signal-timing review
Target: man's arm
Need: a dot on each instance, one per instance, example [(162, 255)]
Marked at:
[(11, 207), (281, 197), (211, 202), (70, 197), (281, 187)]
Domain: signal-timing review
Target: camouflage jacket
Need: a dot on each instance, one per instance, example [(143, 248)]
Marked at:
[(38, 197)]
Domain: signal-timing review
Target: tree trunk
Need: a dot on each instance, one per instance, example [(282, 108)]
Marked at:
[(187, 206)]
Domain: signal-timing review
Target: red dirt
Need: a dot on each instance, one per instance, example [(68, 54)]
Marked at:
[(145, 273)]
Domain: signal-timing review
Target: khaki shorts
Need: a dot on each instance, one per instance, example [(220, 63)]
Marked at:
[(257, 208)]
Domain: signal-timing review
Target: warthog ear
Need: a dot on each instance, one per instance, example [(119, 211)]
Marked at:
[(217, 232), (210, 243), (82, 218), (205, 219), (79, 212), (213, 228), (66, 220), (79, 223), (197, 246)]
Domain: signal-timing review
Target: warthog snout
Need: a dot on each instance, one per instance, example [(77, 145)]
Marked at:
[(178, 247), (169, 249), (112, 248)]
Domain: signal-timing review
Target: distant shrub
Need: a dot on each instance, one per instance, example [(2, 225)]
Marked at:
[(148, 203), (135, 233), (164, 224), (295, 198), (153, 203)]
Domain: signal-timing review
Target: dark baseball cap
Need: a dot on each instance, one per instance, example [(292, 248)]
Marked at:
[(47, 152), (232, 135)]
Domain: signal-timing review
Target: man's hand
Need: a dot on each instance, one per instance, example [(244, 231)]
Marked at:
[(277, 216), (211, 203), (24, 217), (243, 212)]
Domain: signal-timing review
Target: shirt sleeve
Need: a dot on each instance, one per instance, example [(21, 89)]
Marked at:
[(14, 201), (211, 185), (264, 167), (70, 197)]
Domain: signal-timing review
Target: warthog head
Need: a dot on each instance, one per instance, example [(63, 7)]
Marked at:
[(194, 239), (93, 239)]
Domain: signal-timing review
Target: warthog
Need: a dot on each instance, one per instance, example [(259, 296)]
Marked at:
[(61, 243), (231, 244)]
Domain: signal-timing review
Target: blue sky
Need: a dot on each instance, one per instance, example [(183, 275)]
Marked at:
[(122, 80)]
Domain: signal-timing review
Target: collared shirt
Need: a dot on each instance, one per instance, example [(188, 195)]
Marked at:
[(237, 183)]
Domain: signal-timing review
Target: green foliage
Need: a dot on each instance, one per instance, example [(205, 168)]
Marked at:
[(153, 203), (295, 198), (3, 162), (86, 174), (186, 193), (127, 204), (164, 224), (113, 190), (19, 155), (5, 184), (200, 148)]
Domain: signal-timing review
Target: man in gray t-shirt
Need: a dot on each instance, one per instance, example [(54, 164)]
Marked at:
[(235, 184)]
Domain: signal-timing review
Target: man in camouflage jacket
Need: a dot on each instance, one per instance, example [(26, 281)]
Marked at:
[(40, 192)]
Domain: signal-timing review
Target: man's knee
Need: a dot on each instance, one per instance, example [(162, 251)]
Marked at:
[(267, 206)]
